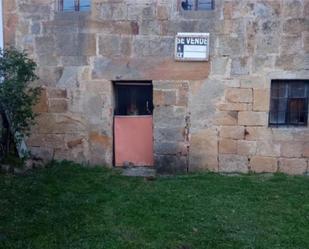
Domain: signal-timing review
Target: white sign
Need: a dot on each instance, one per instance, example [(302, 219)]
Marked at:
[(192, 47)]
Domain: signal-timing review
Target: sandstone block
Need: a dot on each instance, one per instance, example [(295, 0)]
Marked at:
[(58, 105), (261, 98), (76, 44), (169, 134), (204, 151), (231, 46), (162, 12), (263, 62), (113, 11), (267, 44), (252, 118), (293, 166), (233, 163), (167, 164), (57, 93), (305, 151), (227, 146), (306, 41), (164, 98), (257, 133), (241, 95), (246, 148), (268, 148), (203, 162), (232, 132), (219, 65), (235, 107), (64, 123), (170, 148), (294, 25), (292, 149), (114, 45), (204, 141), (292, 8), (226, 118), (260, 164), (46, 140), (42, 105), (291, 44), (240, 66), (256, 82), (169, 116)]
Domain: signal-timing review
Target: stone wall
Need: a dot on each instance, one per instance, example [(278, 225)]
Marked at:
[(208, 115)]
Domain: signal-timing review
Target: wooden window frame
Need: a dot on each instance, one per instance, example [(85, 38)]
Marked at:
[(77, 6), (287, 102), (195, 5)]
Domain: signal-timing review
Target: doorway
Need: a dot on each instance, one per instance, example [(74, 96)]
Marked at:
[(133, 124)]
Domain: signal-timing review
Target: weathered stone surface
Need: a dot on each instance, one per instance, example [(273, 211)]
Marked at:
[(162, 12), (260, 164), (66, 123), (169, 117), (246, 148), (268, 148), (305, 150), (233, 163), (261, 99), (294, 25), (306, 41), (232, 132), (204, 150), (169, 134), (228, 146), (76, 44), (240, 66), (252, 118), (57, 93), (241, 95), (171, 164), (257, 133), (114, 45), (292, 149), (170, 148), (42, 105), (226, 118), (293, 166), (234, 106), (58, 105)]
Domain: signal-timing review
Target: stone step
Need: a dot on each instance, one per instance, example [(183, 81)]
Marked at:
[(139, 172)]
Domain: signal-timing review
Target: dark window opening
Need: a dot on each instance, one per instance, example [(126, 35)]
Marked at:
[(133, 98), (197, 4), (289, 103), (74, 5)]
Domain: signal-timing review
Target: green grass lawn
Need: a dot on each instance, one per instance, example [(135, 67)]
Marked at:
[(67, 206)]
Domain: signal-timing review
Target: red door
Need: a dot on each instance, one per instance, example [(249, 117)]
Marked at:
[(133, 131), (133, 140)]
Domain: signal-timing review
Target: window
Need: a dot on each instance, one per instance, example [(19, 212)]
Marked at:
[(289, 102), (133, 98), (197, 4), (74, 5)]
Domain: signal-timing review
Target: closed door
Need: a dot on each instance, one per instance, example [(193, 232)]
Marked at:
[(133, 124)]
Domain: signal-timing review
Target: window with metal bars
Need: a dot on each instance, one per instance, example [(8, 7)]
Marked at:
[(289, 103), (74, 5), (133, 98), (197, 4)]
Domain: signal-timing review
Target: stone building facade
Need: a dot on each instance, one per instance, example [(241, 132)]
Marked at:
[(207, 115)]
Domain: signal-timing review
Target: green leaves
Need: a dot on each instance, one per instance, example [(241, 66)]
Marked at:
[(17, 97)]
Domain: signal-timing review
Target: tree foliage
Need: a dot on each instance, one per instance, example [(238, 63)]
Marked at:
[(17, 97)]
